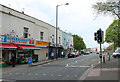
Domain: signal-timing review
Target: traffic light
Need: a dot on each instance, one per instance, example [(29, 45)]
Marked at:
[(100, 36), (95, 36)]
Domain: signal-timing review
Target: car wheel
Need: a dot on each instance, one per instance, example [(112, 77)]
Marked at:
[(114, 56)]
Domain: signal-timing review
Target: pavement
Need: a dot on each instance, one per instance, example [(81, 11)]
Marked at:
[(25, 66), (110, 70)]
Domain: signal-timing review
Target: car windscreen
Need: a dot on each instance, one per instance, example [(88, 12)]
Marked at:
[(117, 51)]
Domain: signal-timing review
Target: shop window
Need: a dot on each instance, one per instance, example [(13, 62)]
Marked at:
[(41, 35), (25, 33)]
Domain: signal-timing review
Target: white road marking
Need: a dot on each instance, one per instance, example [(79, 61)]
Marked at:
[(23, 73), (68, 75), (10, 73), (16, 73), (44, 74), (29, 73), (36, 74), (51, 74), (59, 75), (76, 75)]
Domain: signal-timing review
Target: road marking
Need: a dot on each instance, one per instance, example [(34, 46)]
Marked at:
[(66, 65), (68, 75), (36, 74), (51, 74), (77, 66), (16, 73), (59, 75), (10, 73), (23, 73), (44, 74), (29, 73), (76, 75)]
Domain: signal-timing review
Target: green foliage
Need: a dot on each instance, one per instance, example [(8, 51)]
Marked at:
[(78, 42), (112, 33)]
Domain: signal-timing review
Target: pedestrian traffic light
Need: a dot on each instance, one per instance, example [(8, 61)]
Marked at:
[(100, 36)]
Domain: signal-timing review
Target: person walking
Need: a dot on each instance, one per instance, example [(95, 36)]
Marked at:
[(13, 60), (52, 55), (62, 54)]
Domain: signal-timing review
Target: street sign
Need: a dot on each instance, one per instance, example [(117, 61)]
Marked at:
[(30, 61)]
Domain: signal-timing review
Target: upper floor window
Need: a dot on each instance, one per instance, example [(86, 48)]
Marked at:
[(25, 33), (41, 35)]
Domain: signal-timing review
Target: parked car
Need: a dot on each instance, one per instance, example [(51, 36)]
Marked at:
[(86, 53), (71, 55), (76, 54), (116, 53)]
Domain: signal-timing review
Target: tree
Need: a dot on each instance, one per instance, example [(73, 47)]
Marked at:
[(111, 8), (112, 33), (78, 42)]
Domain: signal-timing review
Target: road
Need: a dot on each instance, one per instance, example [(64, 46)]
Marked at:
[(67, 69)]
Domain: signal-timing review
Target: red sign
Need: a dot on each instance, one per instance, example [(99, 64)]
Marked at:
[(31, 41)]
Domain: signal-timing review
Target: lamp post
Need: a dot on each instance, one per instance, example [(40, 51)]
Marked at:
[(57, 26)]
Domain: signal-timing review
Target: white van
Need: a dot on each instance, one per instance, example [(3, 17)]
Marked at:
[(116, 53)]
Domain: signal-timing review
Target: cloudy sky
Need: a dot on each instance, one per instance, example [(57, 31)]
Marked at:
[(77, 18)]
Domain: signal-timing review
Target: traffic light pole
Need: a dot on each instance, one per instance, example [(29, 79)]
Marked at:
[(100, 55)]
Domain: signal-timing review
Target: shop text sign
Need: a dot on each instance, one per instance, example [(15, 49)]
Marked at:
[(42, 43), (15, 40)]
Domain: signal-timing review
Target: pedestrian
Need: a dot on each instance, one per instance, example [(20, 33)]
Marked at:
[(62, 54), (52, 55), (13, 60)]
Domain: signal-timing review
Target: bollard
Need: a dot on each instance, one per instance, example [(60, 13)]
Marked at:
[(109, 57), (104, 59)]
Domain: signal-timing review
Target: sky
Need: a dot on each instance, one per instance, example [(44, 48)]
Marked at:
[(77, 18)]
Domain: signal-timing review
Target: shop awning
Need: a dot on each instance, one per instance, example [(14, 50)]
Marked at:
[(28, 47), (8, 47)]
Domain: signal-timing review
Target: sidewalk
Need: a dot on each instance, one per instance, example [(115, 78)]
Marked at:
[(110, 71), (25, 66)]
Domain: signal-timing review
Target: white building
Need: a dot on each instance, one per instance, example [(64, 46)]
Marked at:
[(19, 25)]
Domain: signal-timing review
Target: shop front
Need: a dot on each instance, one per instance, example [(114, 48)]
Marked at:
[(6, 50), (21, 48), (43, 53)]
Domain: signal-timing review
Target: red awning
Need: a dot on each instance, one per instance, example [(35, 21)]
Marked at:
[(28, 47), (8, 46)]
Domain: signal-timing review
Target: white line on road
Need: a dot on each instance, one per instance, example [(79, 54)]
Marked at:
[(44, 74), (59, 75), (68, 75), (51, 74)]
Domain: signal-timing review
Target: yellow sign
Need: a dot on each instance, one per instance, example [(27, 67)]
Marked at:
[(42, 43)]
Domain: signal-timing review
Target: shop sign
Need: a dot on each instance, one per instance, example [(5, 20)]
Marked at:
[(42, 43), (31, 41), (13, 39)]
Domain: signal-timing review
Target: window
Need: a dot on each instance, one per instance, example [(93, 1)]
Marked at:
[(41, 35), (25, 33)]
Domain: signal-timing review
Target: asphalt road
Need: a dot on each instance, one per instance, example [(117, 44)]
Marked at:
[(67, 69)]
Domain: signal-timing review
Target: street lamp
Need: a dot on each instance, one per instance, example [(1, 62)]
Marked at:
[(57, 26)]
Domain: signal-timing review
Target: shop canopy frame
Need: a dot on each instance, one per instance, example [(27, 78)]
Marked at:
[(8, 47), (28, 47)]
